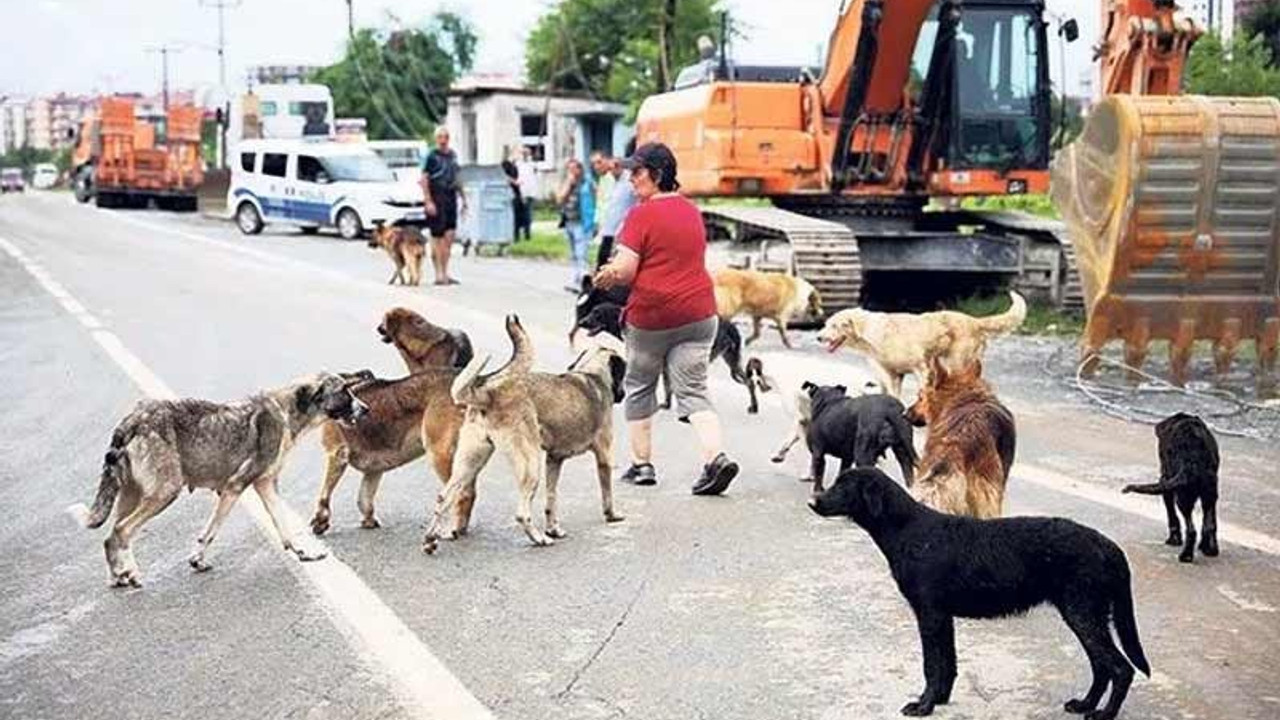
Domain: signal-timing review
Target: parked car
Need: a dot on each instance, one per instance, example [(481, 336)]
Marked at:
[(11, 180), (314, 184), (44, 176), (404, 157)]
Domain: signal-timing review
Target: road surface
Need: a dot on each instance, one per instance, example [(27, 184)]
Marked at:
[(744, 606)]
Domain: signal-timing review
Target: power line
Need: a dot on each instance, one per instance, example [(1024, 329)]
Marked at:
[(222, 6), (164, 51)]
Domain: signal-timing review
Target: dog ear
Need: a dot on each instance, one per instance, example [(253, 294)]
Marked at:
[(808, 387), (359, 376), (937, 369), (843, 390), (303, 397), (462, 351), (618, 373)]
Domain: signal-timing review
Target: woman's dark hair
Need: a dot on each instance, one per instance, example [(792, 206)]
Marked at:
[(660, 163)]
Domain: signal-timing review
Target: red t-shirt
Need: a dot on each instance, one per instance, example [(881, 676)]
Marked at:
[(672, 286)]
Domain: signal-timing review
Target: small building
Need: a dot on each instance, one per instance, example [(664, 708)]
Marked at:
[(491, 115)]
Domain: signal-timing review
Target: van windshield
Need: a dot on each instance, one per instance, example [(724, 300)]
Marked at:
[(357, 168)]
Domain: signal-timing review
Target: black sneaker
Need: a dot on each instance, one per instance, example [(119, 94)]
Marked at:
[(716, 476), (641, 474)]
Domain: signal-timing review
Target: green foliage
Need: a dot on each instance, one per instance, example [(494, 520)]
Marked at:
[(27, 157), (399, 80), (1243, 69), (546, 244), (611, 49), (1265, 21), (1042, 319), (1064, 133), (1039, 205)]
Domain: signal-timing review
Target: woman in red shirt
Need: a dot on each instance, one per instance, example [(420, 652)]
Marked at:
[(670, 316)]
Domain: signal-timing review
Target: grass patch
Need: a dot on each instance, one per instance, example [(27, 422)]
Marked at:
[(546, 246), (1041, 319), (1039, 205)]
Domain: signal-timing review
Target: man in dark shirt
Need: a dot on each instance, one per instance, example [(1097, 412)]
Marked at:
[(442, 196), (517, 200)]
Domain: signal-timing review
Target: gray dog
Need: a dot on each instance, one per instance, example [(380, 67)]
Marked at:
[(163, 445)]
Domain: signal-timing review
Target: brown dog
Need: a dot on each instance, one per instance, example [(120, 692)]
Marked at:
[(971, 443), (406, 417), (781, 298), (406, 248)]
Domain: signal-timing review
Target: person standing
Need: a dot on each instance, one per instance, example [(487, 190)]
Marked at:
[(616, 206), (670, 317), (528, 174), (577, 200), (442, 196), (601, 164), (517, 201)]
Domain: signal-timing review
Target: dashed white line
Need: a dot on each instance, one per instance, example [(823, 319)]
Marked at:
[(425, 687)]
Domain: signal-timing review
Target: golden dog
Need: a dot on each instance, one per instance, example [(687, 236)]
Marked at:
[(779, 297), (406, 248), (899, 344)]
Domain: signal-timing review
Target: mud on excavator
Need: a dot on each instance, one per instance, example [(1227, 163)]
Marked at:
[(925, 100)]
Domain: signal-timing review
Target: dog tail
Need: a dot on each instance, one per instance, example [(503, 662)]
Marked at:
[(521, 349), (466, 388), (1127, 625), (113, 468), (904, 449), (1157, 488), (1007, 321)]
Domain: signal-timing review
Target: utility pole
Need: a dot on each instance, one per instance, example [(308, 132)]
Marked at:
[(222, 6), (351, 18), (164, 51)]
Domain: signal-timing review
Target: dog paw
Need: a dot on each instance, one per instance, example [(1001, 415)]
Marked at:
[(1100, 715), (543, 541), (1186, 557), (777, 458), (309, 555), (1078, 707), (128, 578), (1174, 540), (430, 546), (805, 479), (556, 532), (1127, 489), (370, 523), (917, 709), (613, 517), (1209, 549), (198, 564)]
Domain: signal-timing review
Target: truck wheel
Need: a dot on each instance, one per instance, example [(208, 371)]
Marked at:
[(349, 224), (82, 186), (248, 219)]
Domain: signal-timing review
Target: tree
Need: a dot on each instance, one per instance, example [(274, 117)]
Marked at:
[(26, 157), (1264, 20), (620, 50), (399, 80), (1244, 69)]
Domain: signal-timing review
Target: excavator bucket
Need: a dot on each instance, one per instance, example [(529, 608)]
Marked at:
[(1173, 207)]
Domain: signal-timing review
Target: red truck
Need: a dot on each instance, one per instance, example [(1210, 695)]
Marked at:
[(117, 162)]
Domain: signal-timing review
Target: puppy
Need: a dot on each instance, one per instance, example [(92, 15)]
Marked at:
[(781, 298), (899, 344), (972, 439), (857, 430), (535, 418), (162, 446), (406, 247), (607, 318), (407, 418), (948, 567), (1188, 473)]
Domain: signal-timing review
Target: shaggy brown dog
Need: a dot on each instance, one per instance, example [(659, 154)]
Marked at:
[(971, 443), (781, 298), (406, 417), (406, 248)]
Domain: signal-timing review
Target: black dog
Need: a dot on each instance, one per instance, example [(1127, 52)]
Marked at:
[(949, 566), (1188, 472), (858, 430), (606, 317)]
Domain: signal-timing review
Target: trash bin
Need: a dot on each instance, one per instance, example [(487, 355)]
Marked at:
[(490, 219)]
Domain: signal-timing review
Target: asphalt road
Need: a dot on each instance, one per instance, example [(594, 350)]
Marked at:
[(745, 606)]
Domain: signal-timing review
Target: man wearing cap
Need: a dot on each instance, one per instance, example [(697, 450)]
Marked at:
[(670, 316)]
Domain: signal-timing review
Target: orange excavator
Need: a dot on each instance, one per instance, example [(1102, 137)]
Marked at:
[(920, 103)]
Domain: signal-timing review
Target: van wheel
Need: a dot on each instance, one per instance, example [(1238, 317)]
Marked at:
[(248, 219), (349, 224)]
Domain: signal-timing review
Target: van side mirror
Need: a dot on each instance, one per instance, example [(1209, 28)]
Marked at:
[(1070, 30), (322, 178)]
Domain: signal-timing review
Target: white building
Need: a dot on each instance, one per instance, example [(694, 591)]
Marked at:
[(13, 124), (492, 115), (1215, 15)]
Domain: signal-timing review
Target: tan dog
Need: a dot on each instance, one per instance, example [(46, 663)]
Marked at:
[(781, 298), (406, 248), (899, 344), (972, 439), (406, 417), (535, 418)]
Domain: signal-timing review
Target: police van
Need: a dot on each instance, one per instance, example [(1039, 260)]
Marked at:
[(315, 184)]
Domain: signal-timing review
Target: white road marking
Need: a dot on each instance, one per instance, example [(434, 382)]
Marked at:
[(1243, 602), (424, 685)]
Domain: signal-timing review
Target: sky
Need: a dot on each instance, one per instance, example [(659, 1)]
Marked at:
[(88, 46)]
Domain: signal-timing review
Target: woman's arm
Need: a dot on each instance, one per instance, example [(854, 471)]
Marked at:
[(621, 270)]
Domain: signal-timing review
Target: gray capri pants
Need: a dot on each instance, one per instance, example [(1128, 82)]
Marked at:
[(684, 351)]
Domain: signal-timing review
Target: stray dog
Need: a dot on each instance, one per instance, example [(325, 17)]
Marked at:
[(591, 297), (406, 417), (406, 248), (948, 567), (535, 417), (163, 445), (971, 443), (781, 298), (607, 318), (899, 344), (858, 430), (1188, 472)]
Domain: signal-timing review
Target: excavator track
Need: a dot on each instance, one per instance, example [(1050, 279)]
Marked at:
[(823, 252), (1050, 270)]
